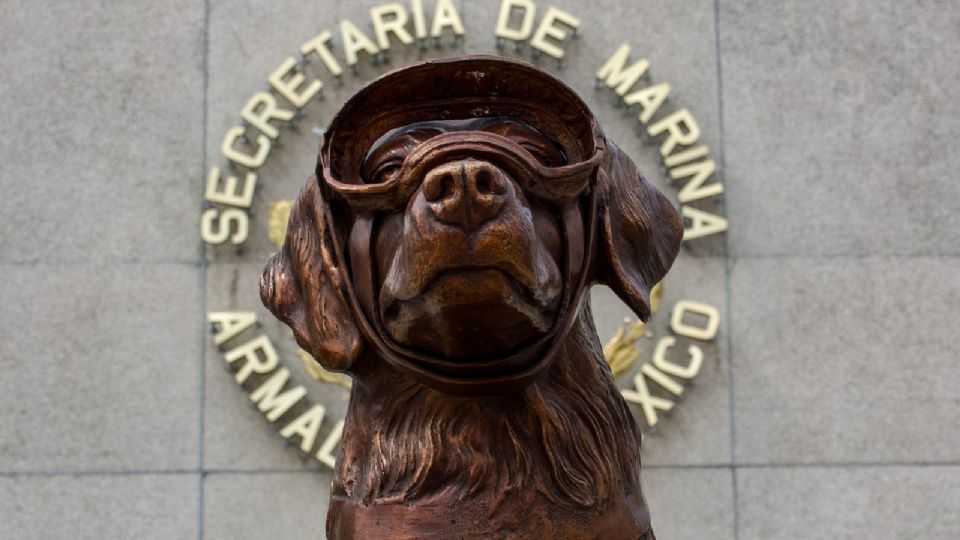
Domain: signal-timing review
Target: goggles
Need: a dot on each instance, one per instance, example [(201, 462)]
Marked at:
[(561, 185), (461, 89)]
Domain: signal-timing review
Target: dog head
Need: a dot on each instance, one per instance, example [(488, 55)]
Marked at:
[(459, 211)]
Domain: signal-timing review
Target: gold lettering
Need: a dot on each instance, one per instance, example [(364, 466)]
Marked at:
[(307, 425), (650, 100), (215, 226), (665, 382), (268, 110), (355, 41), (694, 189), (641, 396), (679, 158), (387, 19), (669, 367), (270, 401), (549, 29), (705, 333), (616, 77), (419, 20), (287, 80), (229, 194), (704, 223), (528, 10), (255, 161), (446, 15), (230, 324), (259, 357), (325, 454), (681, 128), (319, 45)]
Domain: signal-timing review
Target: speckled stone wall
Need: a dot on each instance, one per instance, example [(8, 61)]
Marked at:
[(827, 406)]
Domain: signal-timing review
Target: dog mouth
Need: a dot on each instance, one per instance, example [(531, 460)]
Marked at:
[(468, 314)]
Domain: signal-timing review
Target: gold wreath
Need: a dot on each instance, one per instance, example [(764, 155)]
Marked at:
[(622, 352)]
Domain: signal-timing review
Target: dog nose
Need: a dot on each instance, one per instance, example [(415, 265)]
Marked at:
[(465, 193)]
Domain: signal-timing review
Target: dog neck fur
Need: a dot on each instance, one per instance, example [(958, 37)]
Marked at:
[(567, 438)]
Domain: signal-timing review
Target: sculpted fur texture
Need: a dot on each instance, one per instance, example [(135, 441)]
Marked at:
[(441, 256), (567, 438)]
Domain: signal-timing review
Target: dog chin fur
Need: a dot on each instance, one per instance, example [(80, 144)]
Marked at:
[(567, 438)]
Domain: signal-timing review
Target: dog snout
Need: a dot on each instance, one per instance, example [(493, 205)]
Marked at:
[(465, 193)]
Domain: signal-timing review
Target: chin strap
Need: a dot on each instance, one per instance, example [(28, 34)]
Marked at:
[(360, 295)]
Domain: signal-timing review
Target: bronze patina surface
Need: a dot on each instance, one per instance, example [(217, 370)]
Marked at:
[(440, 255)]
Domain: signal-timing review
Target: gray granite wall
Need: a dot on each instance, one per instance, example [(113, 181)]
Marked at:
[(828, 404)]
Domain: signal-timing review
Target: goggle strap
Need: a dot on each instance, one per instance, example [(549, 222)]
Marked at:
[(360, 245)]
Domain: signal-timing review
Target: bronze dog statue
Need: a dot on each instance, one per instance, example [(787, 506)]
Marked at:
[(441, 255)]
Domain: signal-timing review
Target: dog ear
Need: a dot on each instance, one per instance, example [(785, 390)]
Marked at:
[(640, 232), (301, 285)]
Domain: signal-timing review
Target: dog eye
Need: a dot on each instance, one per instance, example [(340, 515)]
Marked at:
[(386, 171), (543, 156)]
